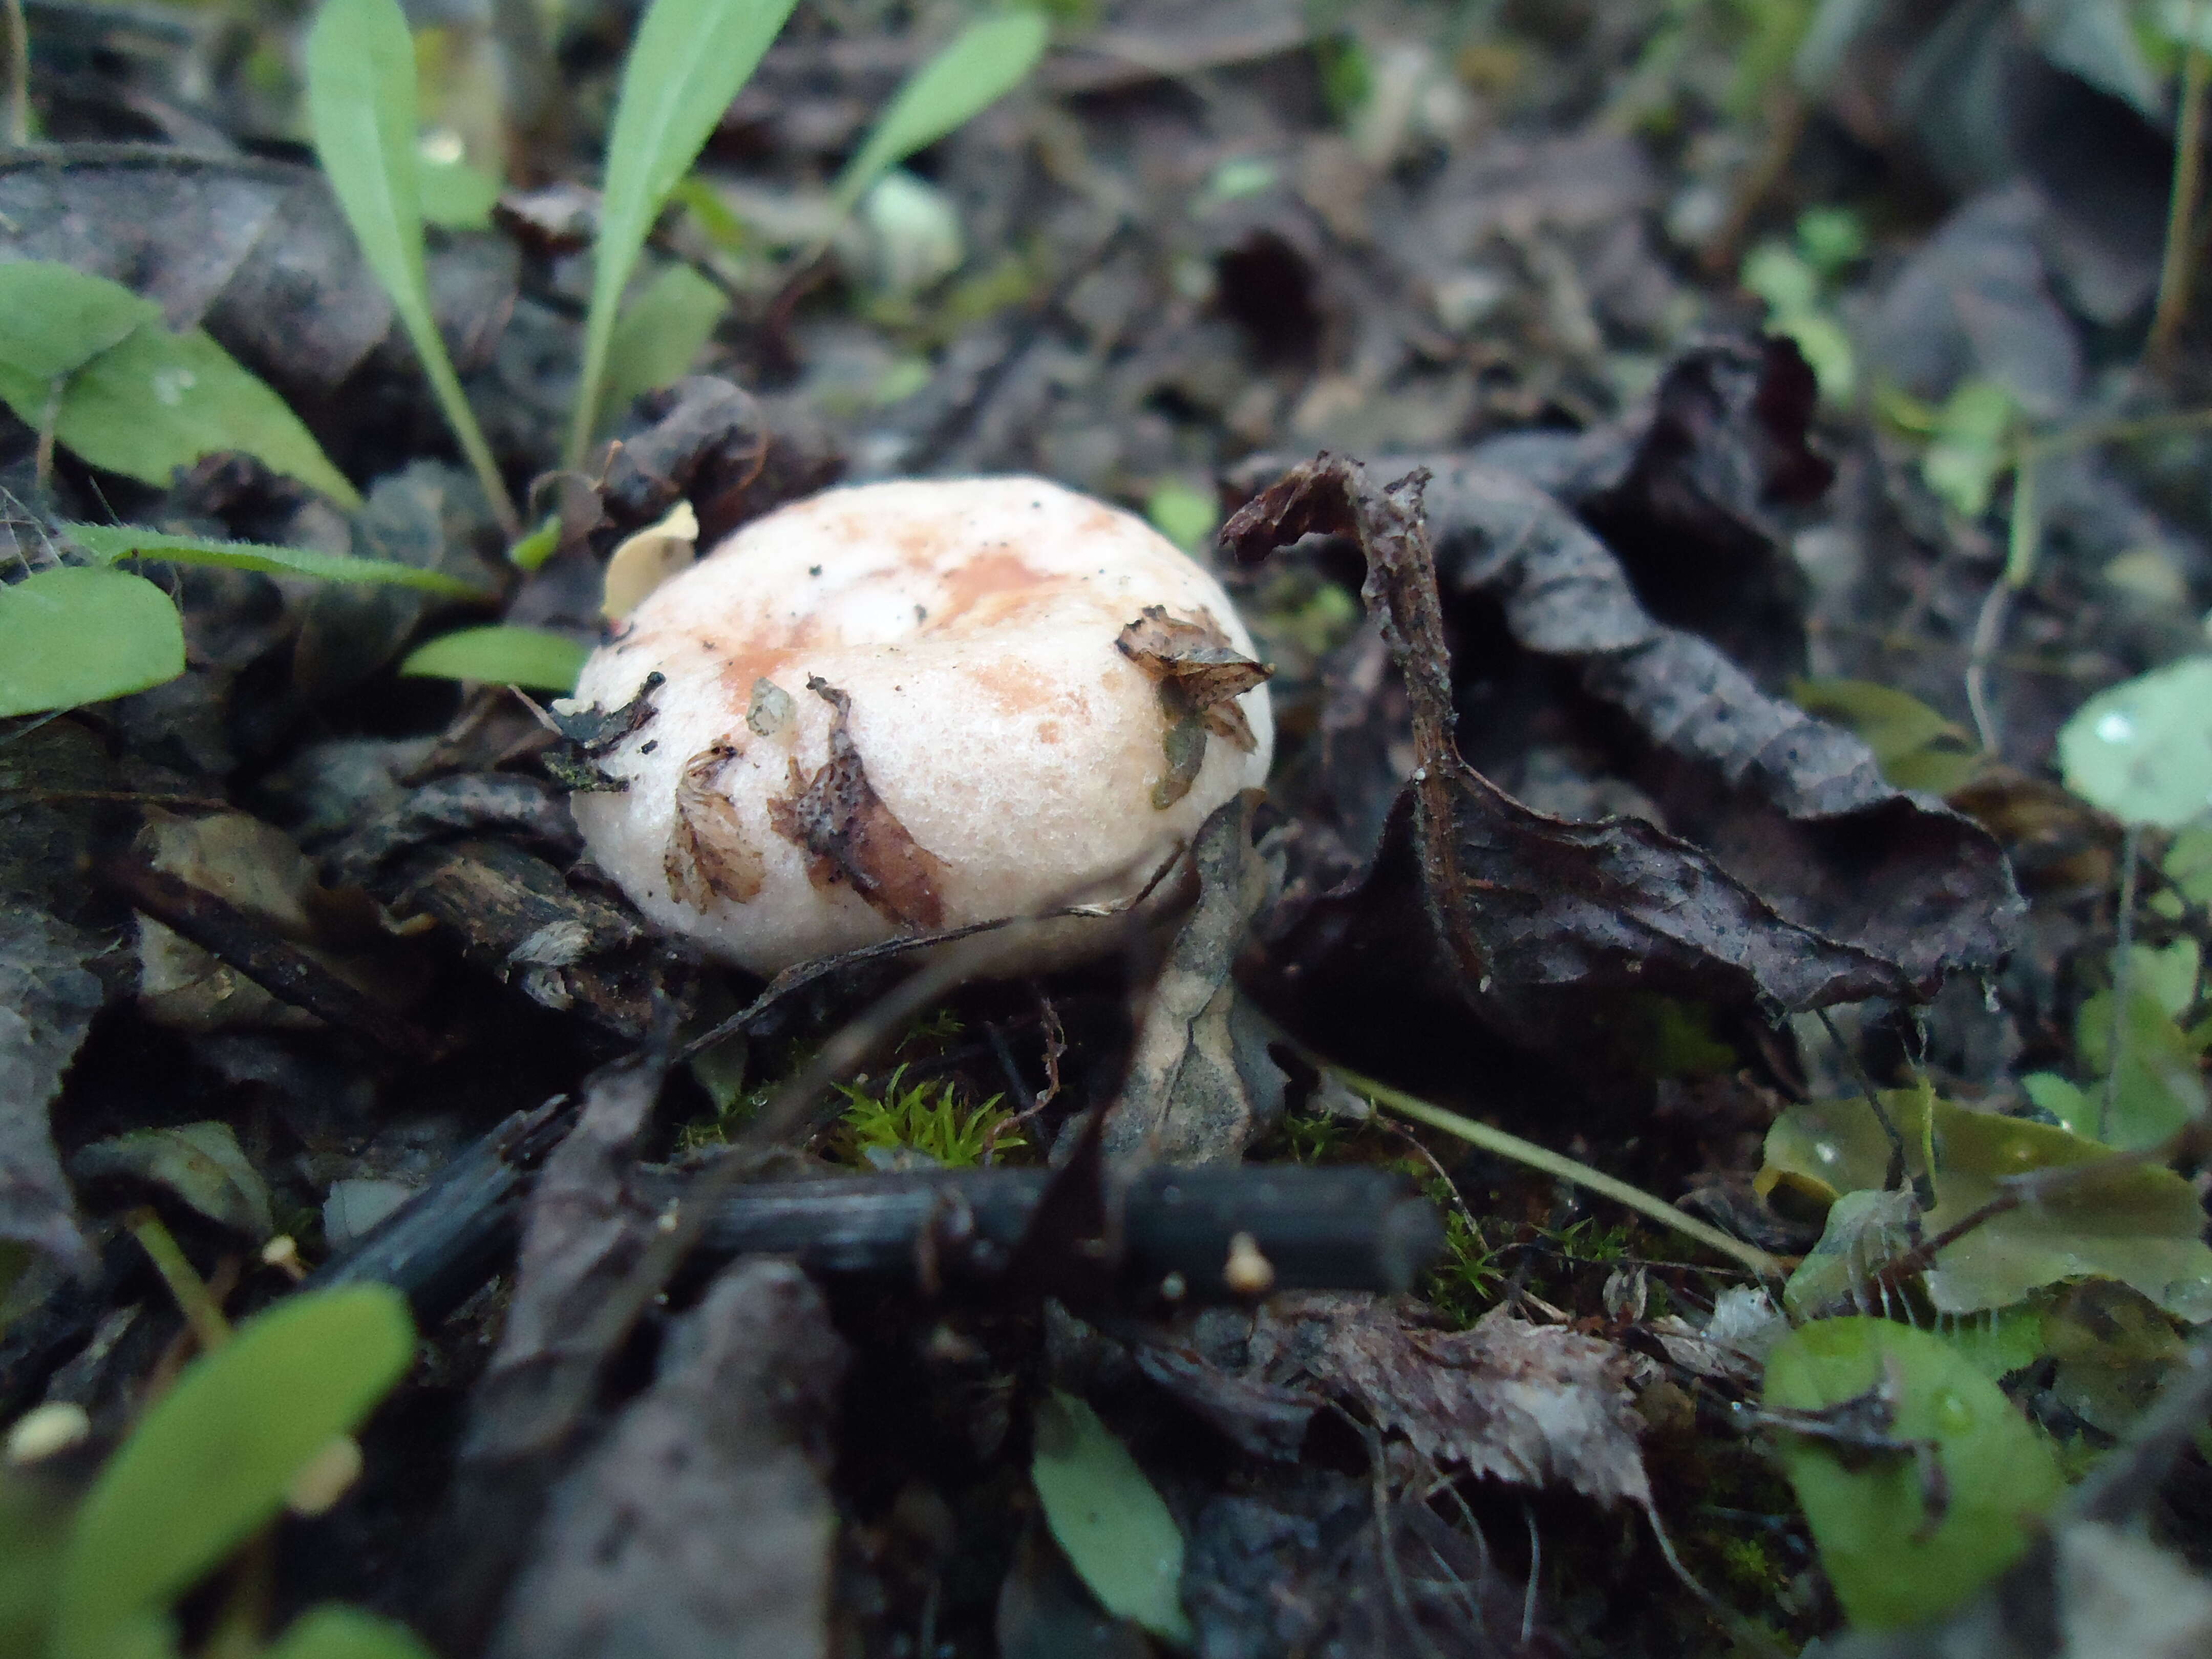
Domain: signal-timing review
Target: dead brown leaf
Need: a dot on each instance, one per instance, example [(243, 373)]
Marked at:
[(851, 836), (1200, 676), (709, 855)]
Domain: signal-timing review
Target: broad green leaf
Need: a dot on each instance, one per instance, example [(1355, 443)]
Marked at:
[(984, 62), (2161, 1081), (34, 1515), (1894, 1560), (1972, 446), (73, 635), (2137, 1224), (360, 104), (2189, 863), (54, 319), (1108, 1519), (454, 195), (158, 401), (2114, 1350), (1998, 1341), (660, 336), (339, 1632), (2142, 749), (1916, 747), (210, 1464), (690, 58), (501, 656), (111, 542)]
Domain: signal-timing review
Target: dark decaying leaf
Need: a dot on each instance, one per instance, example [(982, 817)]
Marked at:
[(1874, 893), (709, 855), (1533, 1405), (710, 442), (527, 808), (1200, 676), (1307, 1561), (586, 1227), (47, 999), (704, 1523), (851, 838), (1201, 1087), (254, 251)]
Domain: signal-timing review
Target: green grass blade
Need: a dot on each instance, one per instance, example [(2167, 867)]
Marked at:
[(71, 635), (111, 542), (691, 58), (501, 656), (984, 62), (360, 104)]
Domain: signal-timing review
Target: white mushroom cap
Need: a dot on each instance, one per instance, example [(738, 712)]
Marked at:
[(975, 629)]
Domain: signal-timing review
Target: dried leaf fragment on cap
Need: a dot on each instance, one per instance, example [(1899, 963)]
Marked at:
[(709, 853), (851, 836), (1200, 676)]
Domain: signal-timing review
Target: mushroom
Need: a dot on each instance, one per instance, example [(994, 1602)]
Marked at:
[(912, 706)]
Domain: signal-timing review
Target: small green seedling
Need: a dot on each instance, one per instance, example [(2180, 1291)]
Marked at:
[(73, 635), (213, 1461), (360, 104)]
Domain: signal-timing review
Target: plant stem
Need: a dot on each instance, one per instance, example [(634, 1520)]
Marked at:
[(1562, 1168), (2122, 980), (2023, 540), (199, 1308), (2173, 277), (18, 76)]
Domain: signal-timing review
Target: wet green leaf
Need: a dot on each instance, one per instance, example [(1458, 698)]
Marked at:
[(1916, 747), (199, 1163), (1998, 1341), (1972, 445), (690, 59), (2135, 1224), (147, 401), (501, 656), (73, 635), (2161, 1081), (54, 319), (984, 62), (661, 335), (1865, 1228), (210, 1464), (2114, 1350), (337, 1633), (1870, 1512), (2142, 749), (1107, 1518), (361, 107), (2189, 863), (111, 542)]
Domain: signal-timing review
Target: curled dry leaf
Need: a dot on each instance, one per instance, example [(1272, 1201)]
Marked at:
[(851, 836), (709, 855), (1200, 675), (1520, 899)]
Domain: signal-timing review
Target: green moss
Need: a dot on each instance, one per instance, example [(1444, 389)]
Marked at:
[(925, 1118)]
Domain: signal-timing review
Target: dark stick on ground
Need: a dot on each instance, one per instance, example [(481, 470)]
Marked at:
[(274, 963)]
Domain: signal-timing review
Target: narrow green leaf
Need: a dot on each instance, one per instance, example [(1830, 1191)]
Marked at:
[(360, 104), (501, 656), (1896, 1550), (54, 319), (210, 1464), (111, 542), (454, 195), (690, 59), (1108, 1519), (2142, 749), (337, 1632), (74, 635), (660, 336), (984, 62)]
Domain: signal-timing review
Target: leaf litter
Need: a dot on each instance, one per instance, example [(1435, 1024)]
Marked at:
[(1693, 705)]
